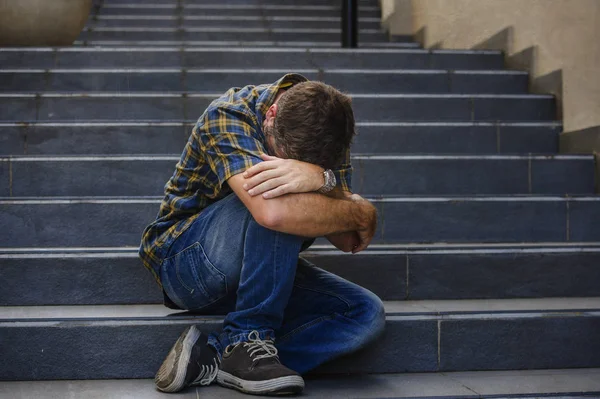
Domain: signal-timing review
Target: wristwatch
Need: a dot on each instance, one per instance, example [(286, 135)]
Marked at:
[(330, 182)]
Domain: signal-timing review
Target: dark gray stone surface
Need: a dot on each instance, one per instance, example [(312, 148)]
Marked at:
[(371, 177), (18, 109), (79, 140), (118, 59), (556, 341), (407, 82), (425, 139), (535, 139), (209, 35), (405, 346), (12, 140), (78, 350), (74, 350), (89, 280), (77, 281), (403, 139), (508, 275), (484, 83), (22, 82), (112, 108), (116, 82), (514, 109), (4, 177), (113, 280), (442, 177), (27, 59), (92, 178), (79, 224), (462, 220), (302, 59), (458, 220), (550, 176), (412, 109), (449, 60), (583, 221), (389, 83)]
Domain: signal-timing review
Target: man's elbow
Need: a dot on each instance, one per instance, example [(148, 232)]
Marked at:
[(270, 216)]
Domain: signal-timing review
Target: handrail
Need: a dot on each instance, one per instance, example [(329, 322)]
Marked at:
[(349, 23)]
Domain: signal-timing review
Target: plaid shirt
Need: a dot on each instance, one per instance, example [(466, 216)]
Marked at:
[(227, 140)]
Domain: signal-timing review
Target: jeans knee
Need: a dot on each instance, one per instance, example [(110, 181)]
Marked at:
[(371, 316)]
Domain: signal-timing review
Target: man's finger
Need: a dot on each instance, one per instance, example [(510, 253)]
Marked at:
[(259, 167), (266, 186), (279, 191), (261, 177)]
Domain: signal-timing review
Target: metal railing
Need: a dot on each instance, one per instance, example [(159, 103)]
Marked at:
[(349, 23)]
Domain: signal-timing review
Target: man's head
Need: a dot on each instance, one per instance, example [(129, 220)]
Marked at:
[(311, 122)]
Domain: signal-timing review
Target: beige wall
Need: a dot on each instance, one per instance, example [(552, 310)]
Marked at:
[(552, 39)]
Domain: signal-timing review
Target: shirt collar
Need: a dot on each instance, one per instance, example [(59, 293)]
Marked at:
[(267, 97)]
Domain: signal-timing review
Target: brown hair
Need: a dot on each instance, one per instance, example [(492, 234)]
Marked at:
[(315, 124)]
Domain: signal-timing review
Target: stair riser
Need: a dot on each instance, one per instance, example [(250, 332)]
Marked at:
[(403, 139), (434, 82), (116, 280), (254, 12), (365, 108), (304, 3), (258, 22), (85, 350), (292, 60), (363, 37), (371, 177), (121, 224)]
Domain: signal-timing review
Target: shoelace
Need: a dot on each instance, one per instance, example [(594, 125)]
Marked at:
[(255, 346), (207, 373)]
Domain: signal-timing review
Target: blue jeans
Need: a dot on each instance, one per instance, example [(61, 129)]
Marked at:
[(226, 263)]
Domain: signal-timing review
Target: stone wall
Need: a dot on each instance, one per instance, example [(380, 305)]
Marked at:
[(555, 40)]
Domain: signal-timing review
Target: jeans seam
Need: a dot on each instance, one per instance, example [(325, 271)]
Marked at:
[(305, 326)]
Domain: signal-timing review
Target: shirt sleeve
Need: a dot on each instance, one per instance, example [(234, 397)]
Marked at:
[(343, 174), (228, 143)]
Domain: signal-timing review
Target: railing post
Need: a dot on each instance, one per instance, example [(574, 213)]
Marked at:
[(350, 23)]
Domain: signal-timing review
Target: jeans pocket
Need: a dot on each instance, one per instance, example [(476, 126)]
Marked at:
[(193, 281)]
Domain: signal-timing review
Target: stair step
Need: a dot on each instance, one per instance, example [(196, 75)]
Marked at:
[(367, 107), (260, 3), (215, 80), (423, 336), (159, 137), (239, 43), (110, 276), (107, 221), (129, 34), (248, 9), (558, 384), (255, 58), (126, 175), (190, 21)]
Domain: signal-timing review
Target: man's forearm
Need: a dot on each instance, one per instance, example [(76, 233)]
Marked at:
[(314, 215)]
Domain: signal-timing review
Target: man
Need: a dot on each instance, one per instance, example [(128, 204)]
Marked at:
[(265, 170)]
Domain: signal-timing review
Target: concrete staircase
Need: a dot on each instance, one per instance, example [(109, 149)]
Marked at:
[(488, 242)]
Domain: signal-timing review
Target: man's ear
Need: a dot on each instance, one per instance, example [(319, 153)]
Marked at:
[(272, 112)]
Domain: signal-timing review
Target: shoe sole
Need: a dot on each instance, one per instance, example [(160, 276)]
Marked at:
[(289, 385), (170, 377)]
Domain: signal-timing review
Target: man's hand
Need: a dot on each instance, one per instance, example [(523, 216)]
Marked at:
[(276, 176), (367, 216), (345, 242)]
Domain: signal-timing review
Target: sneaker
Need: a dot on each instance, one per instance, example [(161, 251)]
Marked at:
[(191, 361), (254, 367)]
